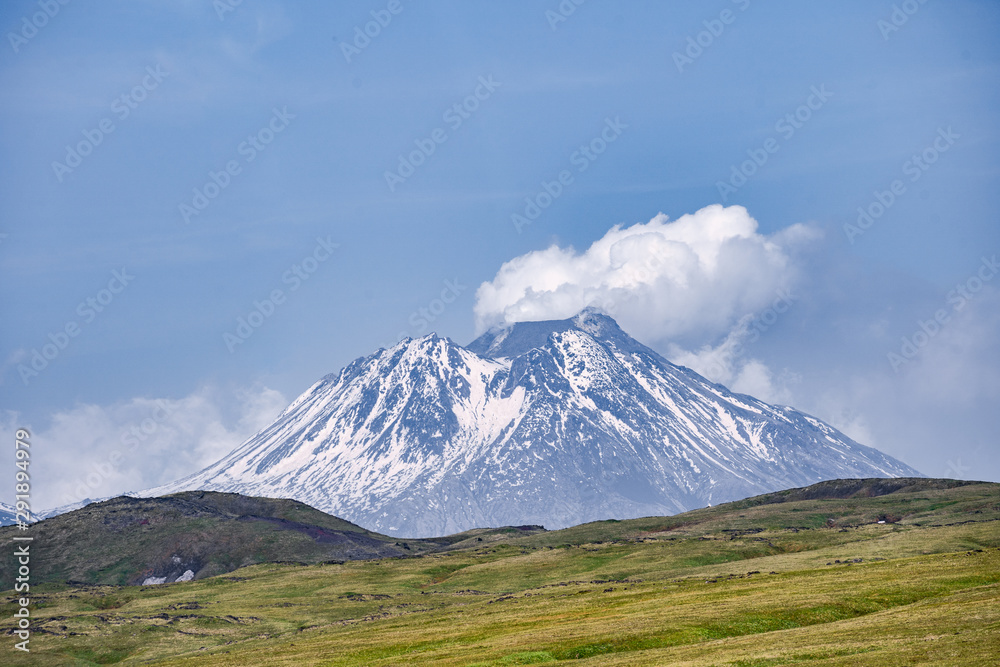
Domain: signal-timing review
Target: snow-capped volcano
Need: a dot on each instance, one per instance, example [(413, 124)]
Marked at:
[(553, 423)]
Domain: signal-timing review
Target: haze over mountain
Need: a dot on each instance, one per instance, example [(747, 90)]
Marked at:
[(553, 423)]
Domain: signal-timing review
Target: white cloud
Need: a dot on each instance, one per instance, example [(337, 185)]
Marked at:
[(687, 281), (93, 451)]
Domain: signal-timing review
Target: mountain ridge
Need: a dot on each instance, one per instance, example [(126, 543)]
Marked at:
[(554, 423)]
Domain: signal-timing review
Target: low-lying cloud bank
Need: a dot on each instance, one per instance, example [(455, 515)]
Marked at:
[(95, 451)]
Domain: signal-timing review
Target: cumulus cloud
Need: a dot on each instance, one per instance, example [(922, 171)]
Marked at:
[(95, 451), (688, 281)]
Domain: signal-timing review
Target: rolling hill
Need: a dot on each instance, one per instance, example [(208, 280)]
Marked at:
[(847, 572)]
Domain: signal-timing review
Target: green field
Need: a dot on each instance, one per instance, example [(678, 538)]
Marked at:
[(804, 581)]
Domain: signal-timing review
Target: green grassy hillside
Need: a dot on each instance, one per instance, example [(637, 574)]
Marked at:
[(808, 576), (125, 540)]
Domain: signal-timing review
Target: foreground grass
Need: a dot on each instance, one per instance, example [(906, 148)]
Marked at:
[(725, 586)]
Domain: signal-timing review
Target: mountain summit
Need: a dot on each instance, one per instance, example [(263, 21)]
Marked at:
[(553, 423)]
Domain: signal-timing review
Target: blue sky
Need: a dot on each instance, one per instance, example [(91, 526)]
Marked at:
[(163, 95)]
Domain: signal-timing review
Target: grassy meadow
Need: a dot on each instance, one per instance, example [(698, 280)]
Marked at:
[(805, 582)]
